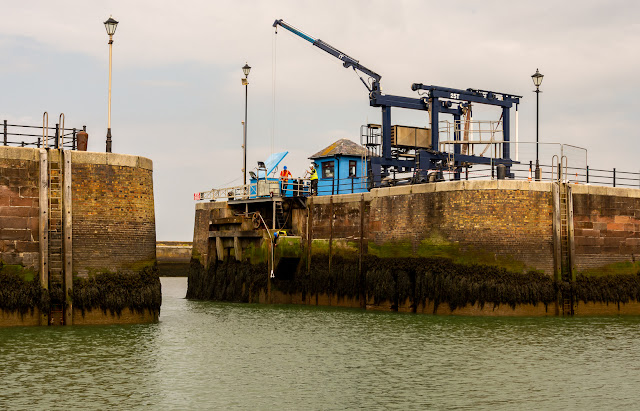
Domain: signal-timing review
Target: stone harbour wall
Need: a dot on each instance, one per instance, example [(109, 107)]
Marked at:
[(466, 248), (112, 238)]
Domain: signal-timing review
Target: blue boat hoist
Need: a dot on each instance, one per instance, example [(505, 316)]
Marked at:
[(427, 162)]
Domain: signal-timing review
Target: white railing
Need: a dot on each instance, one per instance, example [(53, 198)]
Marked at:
[(259, 189)]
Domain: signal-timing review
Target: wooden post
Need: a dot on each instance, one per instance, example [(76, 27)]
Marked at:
[(330, 231), (309, 232), (309, 240), (570, 233), (44, 227), (237, 249), (330, 239), (363, 294), (219, 249), (67, 231), (557, 240)]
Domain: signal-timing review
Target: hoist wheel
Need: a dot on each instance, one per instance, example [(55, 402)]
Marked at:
[(256, 220)]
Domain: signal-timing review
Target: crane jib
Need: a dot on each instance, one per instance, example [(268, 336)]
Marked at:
[(294, 31)]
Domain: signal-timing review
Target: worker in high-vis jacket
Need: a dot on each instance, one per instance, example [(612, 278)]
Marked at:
[(314, 179), (284, 180)]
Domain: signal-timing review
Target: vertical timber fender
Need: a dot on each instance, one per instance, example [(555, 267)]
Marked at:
[(67, 220)]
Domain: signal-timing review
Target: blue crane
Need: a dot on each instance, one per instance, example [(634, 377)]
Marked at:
[(434, 99)]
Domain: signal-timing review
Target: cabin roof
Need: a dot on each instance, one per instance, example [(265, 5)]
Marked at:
[(343, 147)]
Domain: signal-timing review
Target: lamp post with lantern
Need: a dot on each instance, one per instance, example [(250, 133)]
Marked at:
[(537, 80), (111, 26), (245, 82)]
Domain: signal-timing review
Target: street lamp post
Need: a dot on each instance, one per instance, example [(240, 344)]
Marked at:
[(537, 80), (110, 25), (245, 69)]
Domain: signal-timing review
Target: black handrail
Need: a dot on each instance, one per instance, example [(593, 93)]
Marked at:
[(69, 137)]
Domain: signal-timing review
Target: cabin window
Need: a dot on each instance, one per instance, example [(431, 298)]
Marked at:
[(352, 168), (327, 169)]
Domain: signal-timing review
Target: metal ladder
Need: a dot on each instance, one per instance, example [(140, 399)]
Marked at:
[(280, 217), (56, 263), (566, 273), (565, 259)]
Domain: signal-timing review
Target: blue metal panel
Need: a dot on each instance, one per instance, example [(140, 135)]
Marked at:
[(386, 132), (272, 162), (341, 183), (435, 109)]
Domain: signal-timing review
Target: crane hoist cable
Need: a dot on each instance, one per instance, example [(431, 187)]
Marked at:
[(274, 56)]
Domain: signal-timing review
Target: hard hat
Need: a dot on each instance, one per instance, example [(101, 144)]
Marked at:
[(311, 165), (284, 168)]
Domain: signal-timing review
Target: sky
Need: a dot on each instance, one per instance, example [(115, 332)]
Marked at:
[(177, 96)]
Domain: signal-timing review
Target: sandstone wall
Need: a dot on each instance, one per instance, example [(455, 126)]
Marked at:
[(19, 206), (606, 225)]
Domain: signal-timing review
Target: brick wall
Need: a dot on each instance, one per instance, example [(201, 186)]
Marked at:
[(488, 220), (345, 213), (113, 213), (606, 227), (19, 206), (510, 223)]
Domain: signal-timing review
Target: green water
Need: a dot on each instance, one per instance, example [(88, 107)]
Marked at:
[(205, 355)]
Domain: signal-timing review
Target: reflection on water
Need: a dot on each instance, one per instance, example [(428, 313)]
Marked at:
[(214, 355)]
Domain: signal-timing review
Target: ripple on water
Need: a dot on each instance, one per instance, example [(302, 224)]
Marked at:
[(218, 355)]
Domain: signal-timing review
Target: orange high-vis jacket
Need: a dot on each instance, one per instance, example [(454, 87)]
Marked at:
[(285, 174)]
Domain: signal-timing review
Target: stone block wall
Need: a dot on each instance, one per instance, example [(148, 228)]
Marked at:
[(507, 223), (343, 213), (173, 258), (19, 206), (606, 226), (113, 213)]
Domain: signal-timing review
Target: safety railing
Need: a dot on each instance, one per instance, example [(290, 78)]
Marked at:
[(549, 172), (269, 188), (18, 135), (524, 172)]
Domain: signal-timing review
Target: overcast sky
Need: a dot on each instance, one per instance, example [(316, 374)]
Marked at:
[(178, 99)]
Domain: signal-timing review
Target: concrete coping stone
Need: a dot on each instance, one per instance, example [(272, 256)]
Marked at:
[(613, 191), (19, 153), (463, 185), (342, 198), (112, 159), (210, 205)]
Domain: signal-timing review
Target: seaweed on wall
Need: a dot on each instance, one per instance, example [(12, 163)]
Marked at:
[(440, 280), (443, 281), (619, 288), (18, 293), (227, 281), (114, 292)]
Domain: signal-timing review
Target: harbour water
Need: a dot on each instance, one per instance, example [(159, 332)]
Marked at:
[(207, 355)]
